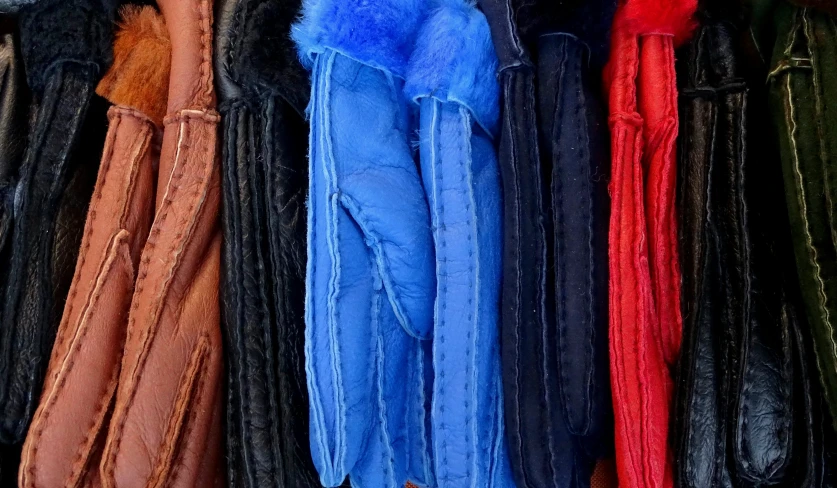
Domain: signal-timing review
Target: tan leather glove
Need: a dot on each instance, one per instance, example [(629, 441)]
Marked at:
[(166, 425), (64, 442)]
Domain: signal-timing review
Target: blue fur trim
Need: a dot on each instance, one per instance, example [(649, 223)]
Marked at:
[(380, 33), (454, 60)]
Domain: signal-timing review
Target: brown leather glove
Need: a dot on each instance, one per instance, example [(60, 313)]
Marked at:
[(166, 425), (66, 437)]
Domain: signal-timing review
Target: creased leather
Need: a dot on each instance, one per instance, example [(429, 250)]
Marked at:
[(69, 426), (370, 275), (451, 78), (645, 322), (802, 77), (553, 155), (166, 424), (265, 182), (14, 108), (56, 181), (738, 401)]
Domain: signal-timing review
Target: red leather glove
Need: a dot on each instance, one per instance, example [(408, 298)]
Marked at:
[(645, 321)]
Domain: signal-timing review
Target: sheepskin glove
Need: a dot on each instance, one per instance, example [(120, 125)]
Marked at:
[(66, 47), (645, 317), (263, 91), (554, 166), (451, 79), (371, 274)]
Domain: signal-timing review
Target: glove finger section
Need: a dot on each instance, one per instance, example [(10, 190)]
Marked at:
[(87, 354), (795, 112), (339, 341), (60, 445), (379, 185), (578, 151)]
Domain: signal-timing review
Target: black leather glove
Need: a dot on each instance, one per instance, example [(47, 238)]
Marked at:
[(66, 46), (14, 108), (744, 404), (554, 166), (264, 91)]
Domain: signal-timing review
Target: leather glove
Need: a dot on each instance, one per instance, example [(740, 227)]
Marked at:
[(370, 275), (553, 156), (451, 78), (802, 79), (66, 46), (645, 321), (14, 108), (738, 408), (264, 90), (64, 443), (166, 423)]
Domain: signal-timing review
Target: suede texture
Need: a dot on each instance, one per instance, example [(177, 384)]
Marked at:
[(553, 155)]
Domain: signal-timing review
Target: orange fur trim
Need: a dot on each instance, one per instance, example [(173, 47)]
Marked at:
[(139, 76)]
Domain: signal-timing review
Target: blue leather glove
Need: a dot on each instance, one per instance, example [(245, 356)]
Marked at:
[(370, 276), (451, 77)]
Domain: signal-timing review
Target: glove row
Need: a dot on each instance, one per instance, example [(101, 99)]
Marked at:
[(423, 243)]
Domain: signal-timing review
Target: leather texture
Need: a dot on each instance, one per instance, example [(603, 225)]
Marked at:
[(370, 278), (553, 162), (265, 183), (166, 427), (645, 321), (14, 110), (802, 76), (741, 416), (451, 79), (56, 182), (65, 441)]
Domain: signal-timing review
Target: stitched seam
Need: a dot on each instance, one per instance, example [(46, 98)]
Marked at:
[(465, 158), (174, 256), (167, 464), (61, 375), (441, 283), (387, 456)]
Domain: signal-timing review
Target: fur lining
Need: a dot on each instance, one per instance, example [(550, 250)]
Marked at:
[(454, 60), (588, 20), (666, 17), (379, 33), (261, 58), (62, 31), (139, 77)]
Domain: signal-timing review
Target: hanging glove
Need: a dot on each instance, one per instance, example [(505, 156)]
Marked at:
[(553, 161), (166, 428), (802, 85), (14, 108), (738, 409), (645, 323), (451, 78), (66, 46), (370, 275), (264, 90), (64, 443)]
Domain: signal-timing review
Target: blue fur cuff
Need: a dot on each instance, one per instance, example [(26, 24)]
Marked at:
[(380, 33), (454, 60)]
